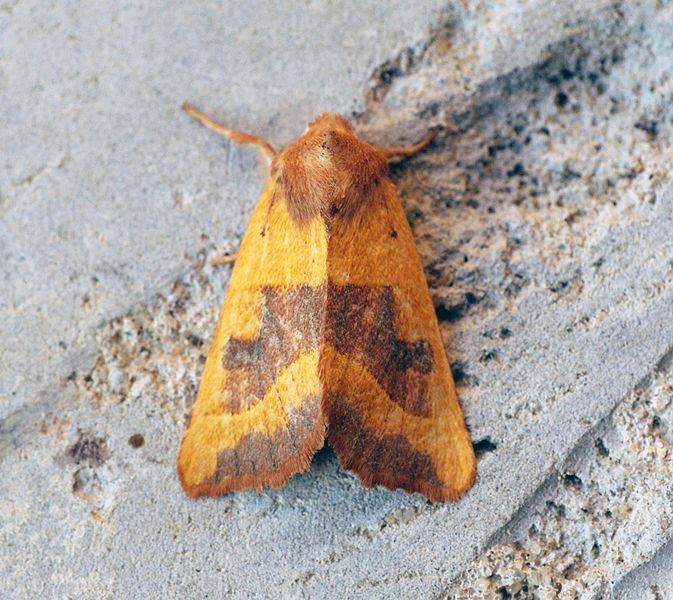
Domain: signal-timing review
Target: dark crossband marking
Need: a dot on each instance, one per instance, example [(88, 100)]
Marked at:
[(258, 456), (360, 323), (290, 325), (388, 460)]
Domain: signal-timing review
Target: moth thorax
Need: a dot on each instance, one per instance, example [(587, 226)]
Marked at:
[(328, 170)]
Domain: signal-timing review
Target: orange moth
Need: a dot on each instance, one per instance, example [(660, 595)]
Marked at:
[(327, 330)]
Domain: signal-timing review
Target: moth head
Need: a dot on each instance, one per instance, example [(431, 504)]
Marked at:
[(328, 170), (329, 122)]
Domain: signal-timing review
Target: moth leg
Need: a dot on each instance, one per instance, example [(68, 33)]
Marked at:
[(225, 259), (240, 137), (395, 152)]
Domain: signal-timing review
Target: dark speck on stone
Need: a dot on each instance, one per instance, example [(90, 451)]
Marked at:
[(517, 170), (572, 479), (89, 450), (137, 440), (484, 446)]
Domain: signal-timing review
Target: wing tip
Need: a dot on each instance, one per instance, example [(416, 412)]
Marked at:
[(211, 487)]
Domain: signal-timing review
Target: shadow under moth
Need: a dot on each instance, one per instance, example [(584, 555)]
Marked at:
[(327, 330)]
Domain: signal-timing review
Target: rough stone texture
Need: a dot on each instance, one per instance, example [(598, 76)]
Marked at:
[(608, 509), (651, 581), (544, 216)]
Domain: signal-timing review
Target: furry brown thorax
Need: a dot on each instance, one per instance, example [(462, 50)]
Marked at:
[(328, 170)]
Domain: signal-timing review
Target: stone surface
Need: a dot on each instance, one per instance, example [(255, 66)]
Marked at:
[(543, 214), (107, 187), (651, 581), (608, 509)]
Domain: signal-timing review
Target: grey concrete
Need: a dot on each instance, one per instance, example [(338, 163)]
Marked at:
[(543, 215), (652, 581), (103, 176), (607, 509)]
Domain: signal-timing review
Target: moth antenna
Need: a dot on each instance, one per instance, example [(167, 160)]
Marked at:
[(401, 152), (240, 137)]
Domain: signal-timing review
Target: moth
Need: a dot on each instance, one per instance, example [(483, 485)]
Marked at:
[(327, 331)]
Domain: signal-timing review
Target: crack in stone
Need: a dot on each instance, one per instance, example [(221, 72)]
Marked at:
[(524, 553)]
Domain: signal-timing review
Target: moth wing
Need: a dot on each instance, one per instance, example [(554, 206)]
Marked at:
[(257, 418), (390, 400)]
